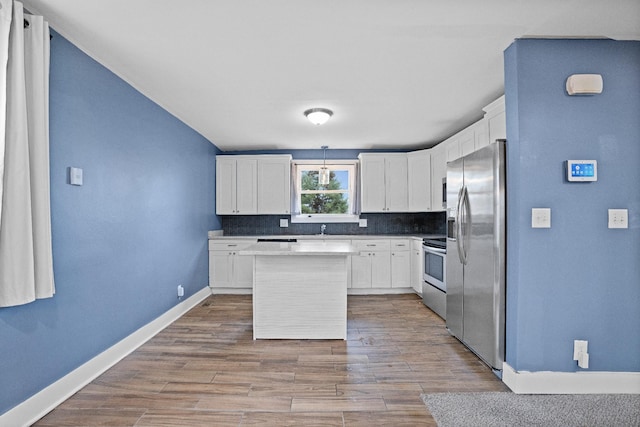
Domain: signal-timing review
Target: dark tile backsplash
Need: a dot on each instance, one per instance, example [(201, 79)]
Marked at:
[(392, 224)]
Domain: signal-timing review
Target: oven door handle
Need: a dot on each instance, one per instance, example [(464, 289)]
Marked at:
[(434, 250)]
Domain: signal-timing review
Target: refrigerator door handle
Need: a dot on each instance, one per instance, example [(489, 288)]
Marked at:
[(459, 225), (464, 214), (466, 224)]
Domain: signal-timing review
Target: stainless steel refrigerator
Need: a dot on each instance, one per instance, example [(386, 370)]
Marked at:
[(476, 252)]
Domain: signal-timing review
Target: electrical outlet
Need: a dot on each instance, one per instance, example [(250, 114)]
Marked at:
[(180, 291), (541, 218), (579, 346), (618, 218), (580, 353), (284, 222)]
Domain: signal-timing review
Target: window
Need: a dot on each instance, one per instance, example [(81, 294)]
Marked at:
[(334, 202)]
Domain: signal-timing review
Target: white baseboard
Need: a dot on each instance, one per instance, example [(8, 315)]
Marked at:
[(231, 291), (547, 382), (379, 291), (350, 291), (43, 402)]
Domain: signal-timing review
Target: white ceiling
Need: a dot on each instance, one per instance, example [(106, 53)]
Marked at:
[(396, 73)]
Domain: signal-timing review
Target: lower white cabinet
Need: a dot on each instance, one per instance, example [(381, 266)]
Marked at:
[(417, 265), (400, 264), (381, 263), (371, 268), (227, 269)]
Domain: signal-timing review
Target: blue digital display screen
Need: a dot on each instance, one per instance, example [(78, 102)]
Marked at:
[(582, 170)]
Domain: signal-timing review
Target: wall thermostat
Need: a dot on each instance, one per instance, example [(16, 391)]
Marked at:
[(582, 170)]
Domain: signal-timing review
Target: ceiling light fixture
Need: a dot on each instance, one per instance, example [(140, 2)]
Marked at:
[(318, 116), (325, 176)]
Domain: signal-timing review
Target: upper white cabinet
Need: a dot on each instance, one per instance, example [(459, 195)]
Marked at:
[(452, 147), (274, 185), (419, 180), (236, 185), (250, 185), (480, 134), (438, 173), (383, 182), (496, 119)]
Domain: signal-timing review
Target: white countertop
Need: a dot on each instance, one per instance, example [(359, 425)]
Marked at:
[(300, 248), (213, 235)]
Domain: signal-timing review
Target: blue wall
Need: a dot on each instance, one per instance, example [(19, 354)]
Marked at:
[(579, 279), (122, 242)]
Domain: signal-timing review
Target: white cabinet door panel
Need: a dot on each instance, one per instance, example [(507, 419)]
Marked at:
[(372, 173), (419, 181), (396, 188), (274, 185), (246, 187)]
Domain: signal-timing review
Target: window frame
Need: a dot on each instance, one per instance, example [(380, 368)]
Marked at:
[(296, 191)]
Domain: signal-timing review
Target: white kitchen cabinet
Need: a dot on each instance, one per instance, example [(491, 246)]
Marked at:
[(400, 263), (274, 185), (383, 183), (474, 137), (419, 180), (236, 185), (371, 268), (467, 141), (452, 147), (438, 173), (496, 119), (227, 269), (481, 133), (417, 262)]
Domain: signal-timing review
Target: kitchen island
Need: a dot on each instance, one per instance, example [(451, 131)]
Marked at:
[(300, 289)]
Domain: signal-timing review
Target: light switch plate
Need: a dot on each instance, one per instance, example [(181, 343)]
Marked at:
[(284, 222), (75, 176), (362, 222), (541, 218), (618, 218)]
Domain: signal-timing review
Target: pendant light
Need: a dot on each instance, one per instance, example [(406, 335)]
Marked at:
[(324, 177)]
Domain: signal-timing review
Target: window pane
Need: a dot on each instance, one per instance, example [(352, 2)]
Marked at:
[(341, 178), (309, 180), (338, 180), (324, 203)]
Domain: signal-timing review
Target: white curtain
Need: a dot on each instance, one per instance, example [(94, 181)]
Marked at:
[(26, 265)]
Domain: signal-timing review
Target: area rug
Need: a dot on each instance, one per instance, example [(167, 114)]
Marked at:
[(507, 409)]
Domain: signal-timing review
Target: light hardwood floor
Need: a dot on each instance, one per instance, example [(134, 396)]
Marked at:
[(206, 370)]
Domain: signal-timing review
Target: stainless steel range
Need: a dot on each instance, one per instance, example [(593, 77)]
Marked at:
[(434, 287)]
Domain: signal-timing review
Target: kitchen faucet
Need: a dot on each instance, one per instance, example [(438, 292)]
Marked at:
[(323, 227)]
